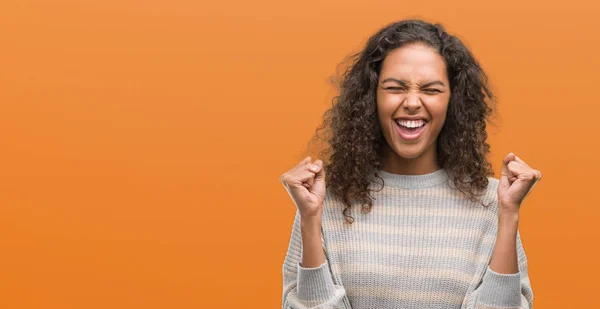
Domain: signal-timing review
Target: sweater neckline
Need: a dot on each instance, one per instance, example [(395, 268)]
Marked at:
[(414, 181)]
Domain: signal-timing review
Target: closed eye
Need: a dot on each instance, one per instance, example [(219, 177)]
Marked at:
[(431, 90)]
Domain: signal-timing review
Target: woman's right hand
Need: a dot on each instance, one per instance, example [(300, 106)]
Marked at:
[(305, 183)]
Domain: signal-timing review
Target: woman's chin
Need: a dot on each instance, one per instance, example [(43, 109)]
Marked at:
[(410, 154), (409, 151)]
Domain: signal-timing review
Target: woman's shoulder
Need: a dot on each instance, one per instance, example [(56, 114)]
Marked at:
[(331, 199), (492, 184), (487, 196), (490, 199)]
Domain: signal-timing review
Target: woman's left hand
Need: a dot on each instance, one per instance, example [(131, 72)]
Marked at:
[(516, 182)]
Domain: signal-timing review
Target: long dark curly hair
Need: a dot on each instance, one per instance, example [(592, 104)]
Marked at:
[(353, 133)]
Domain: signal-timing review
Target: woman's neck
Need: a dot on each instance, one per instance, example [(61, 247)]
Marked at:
[(424, 164)]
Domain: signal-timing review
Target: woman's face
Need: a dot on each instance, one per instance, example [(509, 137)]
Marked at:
[(413, 84)]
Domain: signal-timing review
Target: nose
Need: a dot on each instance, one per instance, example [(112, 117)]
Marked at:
[(412, 102)]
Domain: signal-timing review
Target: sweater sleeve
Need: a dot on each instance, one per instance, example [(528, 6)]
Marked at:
[(305, 288), (505, 291)]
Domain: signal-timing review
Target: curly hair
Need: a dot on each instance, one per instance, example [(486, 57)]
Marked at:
[(353, 132)]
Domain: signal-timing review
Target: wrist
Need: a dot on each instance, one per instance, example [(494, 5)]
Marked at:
[(508, 217), (309, 222), (508, 212), (311, 215), (508, 222)]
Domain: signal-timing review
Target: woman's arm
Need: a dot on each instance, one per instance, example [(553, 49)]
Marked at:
[(506, 281), (308, 283), (312, 247), (504, 258)]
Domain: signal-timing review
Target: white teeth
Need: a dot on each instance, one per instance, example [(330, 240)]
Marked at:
[(411, 123)]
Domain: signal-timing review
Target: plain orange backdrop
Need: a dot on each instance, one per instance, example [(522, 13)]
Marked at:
[(142, 141)]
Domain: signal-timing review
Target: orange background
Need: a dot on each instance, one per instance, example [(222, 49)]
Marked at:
[(142, 141)]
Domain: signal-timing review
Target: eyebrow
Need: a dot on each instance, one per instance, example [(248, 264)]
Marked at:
[(403, 82)]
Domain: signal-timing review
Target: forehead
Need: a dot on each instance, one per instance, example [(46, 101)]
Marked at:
[(414, 62)]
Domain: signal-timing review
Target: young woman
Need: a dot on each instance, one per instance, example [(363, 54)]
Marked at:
[(406, 212)]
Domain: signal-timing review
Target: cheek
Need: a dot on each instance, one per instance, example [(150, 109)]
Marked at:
[(392, 99), (437, 108), (384, 106), (437, 111)]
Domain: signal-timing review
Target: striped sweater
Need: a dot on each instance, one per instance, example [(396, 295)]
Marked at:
[(422, 245)]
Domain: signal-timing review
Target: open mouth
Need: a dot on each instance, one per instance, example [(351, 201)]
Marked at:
[(411, 130)]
